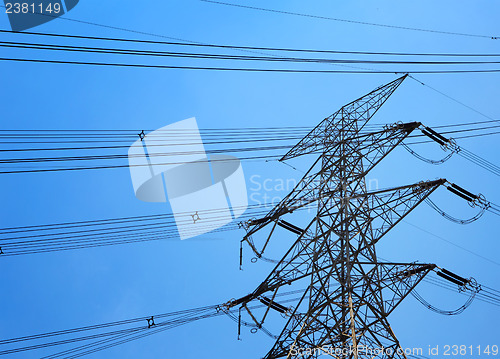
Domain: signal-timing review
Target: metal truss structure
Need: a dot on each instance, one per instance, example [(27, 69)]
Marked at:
[(350, 293)]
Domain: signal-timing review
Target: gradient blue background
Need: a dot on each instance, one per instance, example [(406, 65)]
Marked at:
[(54, 291)]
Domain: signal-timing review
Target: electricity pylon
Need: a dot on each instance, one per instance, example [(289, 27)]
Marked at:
[(350, 292)]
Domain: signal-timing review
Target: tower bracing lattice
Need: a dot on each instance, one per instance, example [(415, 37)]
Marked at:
[(349, 292)]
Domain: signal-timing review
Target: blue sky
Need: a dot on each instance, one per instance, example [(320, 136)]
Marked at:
[(68, 289)]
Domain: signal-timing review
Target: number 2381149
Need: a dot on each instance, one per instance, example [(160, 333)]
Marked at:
[(25, 8)]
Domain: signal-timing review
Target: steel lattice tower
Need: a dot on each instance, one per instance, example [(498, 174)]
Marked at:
[(350, 292)]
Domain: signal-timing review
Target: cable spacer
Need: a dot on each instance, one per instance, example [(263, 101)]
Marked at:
[(142, 135), (196, 217), (151, 322)]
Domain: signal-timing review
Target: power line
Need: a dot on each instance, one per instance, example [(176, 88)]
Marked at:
[(216, 131), (452, 243), (16, 241), (242, 69), (188, 43), (454, 99), (176, 156), (122, 51), (119, 343), (209, 56), (251, 158), (90, 234), (106, 335), (460, 137), (165, 141), (351, 21)]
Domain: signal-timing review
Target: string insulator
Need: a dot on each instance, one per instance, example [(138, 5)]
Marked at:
[(460, 194), (244, 299), (450, 279), (273, 305), (457, 277), (463, 190), (438, 135), (258, 221), (425, 267), (432, 137), (290, 227)]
